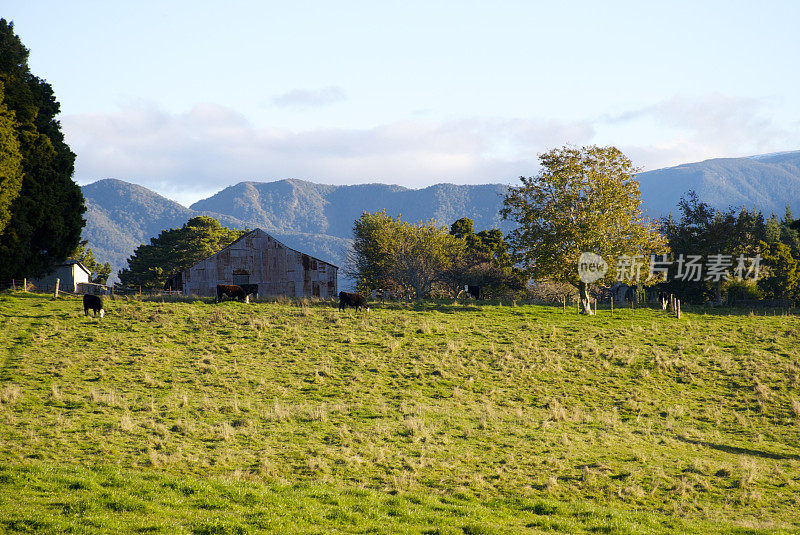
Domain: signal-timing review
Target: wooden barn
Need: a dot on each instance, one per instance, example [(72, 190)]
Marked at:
[(258, 258)]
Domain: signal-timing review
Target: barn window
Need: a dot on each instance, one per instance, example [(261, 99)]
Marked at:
[(291, 289), (322, 267), (314, 265), (240, 276), (315, 289)]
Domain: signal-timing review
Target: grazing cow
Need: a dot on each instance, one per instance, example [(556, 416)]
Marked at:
[(94, 303), (663, 298), (230, 290), (474, 291), (356, 301), (250, 289)]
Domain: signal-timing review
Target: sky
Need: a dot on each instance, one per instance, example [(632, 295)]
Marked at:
[(189, 97)]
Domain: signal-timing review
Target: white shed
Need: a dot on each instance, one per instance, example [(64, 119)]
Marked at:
[(71, 273)]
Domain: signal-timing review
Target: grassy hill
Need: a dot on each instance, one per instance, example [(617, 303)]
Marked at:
[(295, 417)]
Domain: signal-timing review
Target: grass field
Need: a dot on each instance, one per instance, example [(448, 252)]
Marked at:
[(295, 417)]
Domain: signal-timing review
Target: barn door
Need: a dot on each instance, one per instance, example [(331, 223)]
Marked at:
[(241, 276)]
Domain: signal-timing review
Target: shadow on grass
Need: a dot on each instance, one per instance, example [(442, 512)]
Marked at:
[(740, 451)]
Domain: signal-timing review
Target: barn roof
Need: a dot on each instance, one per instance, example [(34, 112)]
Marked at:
[(73, 262), (273, 238)]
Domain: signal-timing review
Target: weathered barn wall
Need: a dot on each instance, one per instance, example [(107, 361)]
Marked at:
[(257, 258)]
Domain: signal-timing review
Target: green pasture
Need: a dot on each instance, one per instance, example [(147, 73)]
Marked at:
[(191, 417)]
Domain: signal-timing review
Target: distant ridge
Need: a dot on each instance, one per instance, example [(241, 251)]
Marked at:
[(766, 182), (300, 206)]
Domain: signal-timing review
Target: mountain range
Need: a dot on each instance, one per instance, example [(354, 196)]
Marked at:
[(318, 218)]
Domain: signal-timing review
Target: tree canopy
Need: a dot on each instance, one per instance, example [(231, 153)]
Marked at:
[(425, 259), (45, 218), (174, 250), (394, 254), (484, 261), (705, 231), (84, 255), (10, 161), (584, 200)]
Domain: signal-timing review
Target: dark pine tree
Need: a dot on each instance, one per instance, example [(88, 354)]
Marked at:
[(47, 216)]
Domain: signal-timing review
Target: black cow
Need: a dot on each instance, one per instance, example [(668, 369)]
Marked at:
[(474, 291), (250, 289), (230, 290), (94, 303), (356, 301)]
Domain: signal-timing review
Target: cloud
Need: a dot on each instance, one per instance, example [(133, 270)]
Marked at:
[(190, 155), (712, 126), (310, 98)]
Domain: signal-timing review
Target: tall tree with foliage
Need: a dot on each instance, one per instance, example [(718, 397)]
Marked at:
[(369, 261), (10, 161), (84, 255), (584, 200), (704, 231), (485, 261), (394, 254), (175, 250), (781, 277), (47, 215)]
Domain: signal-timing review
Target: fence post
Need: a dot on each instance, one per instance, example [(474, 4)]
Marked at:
[(678, 308), (25, 285), (58, 282), (611, 302), (13, 285)]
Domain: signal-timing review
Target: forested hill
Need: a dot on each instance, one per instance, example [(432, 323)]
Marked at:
[(767, 182), (120, 216), (300, 206)]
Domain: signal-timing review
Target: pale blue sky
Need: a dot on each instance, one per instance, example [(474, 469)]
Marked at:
[(189, 97)]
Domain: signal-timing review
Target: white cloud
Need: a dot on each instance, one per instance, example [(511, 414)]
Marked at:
[(308, 98), (186, 156), (684, 129)]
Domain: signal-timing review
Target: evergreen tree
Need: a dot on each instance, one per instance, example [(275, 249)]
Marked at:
[(782, 272), (175, 250), (772, 230), (46, 217), (789, 235), (10, 162), (485, 262), (100, 272)]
